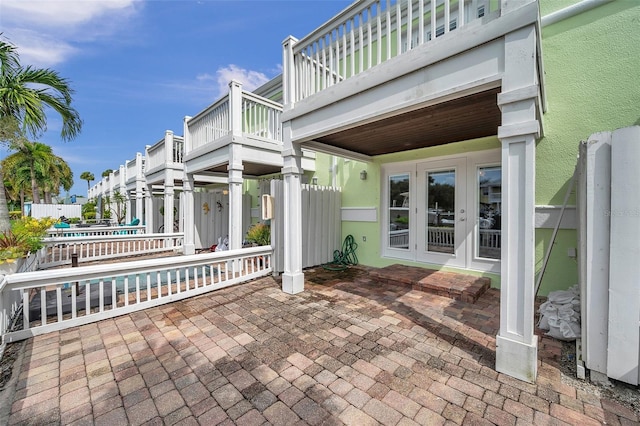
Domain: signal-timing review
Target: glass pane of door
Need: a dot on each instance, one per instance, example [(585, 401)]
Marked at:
[(398, 211), (489, 212), (441, 217)]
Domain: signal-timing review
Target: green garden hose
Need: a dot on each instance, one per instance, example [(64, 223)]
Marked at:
[(343, 259)]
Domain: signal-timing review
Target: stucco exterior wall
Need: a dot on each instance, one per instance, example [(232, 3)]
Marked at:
[(591, 64)]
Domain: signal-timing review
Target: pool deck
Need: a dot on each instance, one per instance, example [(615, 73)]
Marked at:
[(351, 349)]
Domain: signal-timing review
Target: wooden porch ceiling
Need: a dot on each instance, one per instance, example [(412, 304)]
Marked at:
[(461, 119), (250, 169)]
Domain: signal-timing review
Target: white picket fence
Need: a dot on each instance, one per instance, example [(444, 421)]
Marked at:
[(57, 299), (59, 250), (321, 224)]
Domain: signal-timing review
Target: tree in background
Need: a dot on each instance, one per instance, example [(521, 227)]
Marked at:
[(89, 177), (25, 95), (119, 208), (57, 174), (107, 172), (17, 181)]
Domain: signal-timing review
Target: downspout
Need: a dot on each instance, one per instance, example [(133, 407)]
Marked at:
[(572, 10)]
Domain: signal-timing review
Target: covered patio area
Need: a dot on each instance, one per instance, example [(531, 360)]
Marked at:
[(347, 350)]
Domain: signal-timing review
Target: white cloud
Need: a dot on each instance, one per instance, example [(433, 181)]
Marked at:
[(250, 79), (39, 50), (47, 32), (61, 13)]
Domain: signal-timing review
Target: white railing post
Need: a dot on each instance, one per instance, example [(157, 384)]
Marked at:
[(168, 202), (168, 147), (288, 72), (149, 208), (189, 215), (235, 109), (187, 135)]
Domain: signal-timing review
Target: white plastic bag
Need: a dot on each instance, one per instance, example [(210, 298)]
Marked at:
[(224, 245), (560, 314)]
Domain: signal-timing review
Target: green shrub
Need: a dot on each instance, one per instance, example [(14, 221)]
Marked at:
[(89, 215), (25, 236), (259, 234)]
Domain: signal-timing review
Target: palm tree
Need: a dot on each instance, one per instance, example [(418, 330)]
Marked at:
[(17, 181), (57, 174), (107, 172), (89, 177), (25, 95), (39, 158)]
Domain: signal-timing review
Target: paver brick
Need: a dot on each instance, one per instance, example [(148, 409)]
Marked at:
[(344, 351)]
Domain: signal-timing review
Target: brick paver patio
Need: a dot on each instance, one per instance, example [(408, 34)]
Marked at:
[(346, 351)]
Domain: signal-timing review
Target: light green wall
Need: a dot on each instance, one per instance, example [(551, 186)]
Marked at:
[(367, 193), (592, 65)]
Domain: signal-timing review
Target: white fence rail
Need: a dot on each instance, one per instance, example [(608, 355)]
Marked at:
[(59, 251), (57, 299), (53, 210), (368, 33), (94, 231)]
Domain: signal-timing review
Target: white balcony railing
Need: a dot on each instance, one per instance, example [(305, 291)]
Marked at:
[(368, 33), (167, 150), (134, 169), (240, 112), (61, 298)]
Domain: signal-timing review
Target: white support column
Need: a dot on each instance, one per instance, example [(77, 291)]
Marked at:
[(236, 233), (293, 277), (168, 206), (235, 168), (140, 187), (517, 345), (189, 215), (149, 226)]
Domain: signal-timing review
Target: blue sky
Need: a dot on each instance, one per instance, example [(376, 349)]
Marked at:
[(138, 67)]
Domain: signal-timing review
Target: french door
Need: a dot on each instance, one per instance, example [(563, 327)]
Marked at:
[(442, 212), (445, 211)]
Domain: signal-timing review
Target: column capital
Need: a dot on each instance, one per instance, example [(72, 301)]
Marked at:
[(515, 132)]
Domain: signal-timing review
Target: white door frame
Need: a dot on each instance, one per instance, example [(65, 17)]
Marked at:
[(466, 234)]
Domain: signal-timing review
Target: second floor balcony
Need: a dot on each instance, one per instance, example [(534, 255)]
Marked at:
[(242, 119), (386, 76), (166, 154)]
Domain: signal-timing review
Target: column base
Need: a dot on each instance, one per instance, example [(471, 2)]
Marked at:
[(293, 283), (189, 249), (517, 359)]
